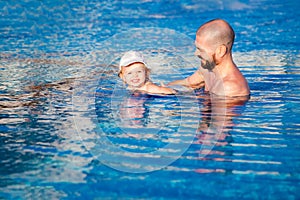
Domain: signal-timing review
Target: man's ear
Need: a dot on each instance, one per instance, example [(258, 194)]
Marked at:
[(221, 51)]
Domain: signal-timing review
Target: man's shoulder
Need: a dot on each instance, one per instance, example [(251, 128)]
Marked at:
[(236, 87)]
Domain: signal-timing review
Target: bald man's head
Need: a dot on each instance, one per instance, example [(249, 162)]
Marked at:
[(217, 32)]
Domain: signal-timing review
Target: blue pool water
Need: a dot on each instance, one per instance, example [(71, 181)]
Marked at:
[(70, 130)]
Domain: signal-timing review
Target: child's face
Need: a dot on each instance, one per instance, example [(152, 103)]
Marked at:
[(135, 75)]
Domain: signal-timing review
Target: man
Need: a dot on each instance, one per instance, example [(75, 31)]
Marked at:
[(218, 73)]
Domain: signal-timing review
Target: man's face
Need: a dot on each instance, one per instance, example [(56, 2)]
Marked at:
[(207, 57)]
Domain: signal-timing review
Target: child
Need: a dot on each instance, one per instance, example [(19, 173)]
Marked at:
[(134, 72)]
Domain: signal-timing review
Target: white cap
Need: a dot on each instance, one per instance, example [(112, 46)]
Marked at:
[(131, 57)]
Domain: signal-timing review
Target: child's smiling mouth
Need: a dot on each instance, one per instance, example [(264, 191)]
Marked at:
[(135, 80)]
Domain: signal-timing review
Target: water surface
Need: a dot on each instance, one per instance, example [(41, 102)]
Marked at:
[(53, 52)]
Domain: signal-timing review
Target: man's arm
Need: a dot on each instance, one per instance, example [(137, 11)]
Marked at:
[(194, 81)]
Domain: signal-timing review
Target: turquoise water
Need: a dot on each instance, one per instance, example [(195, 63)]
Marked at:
[(70, 130)]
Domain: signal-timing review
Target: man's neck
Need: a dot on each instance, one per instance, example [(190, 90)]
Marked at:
[(221, 70)]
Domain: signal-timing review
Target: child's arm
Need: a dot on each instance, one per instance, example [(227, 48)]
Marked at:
[(155, 89)]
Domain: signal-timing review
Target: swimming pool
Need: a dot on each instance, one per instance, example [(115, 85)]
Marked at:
[(61, 103)]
